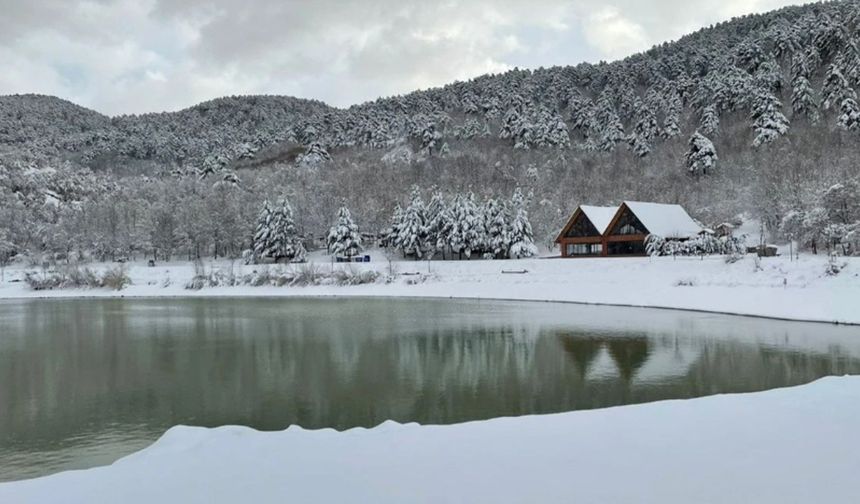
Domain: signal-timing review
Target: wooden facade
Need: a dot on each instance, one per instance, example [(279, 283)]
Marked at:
[(623, 236), (580, 237)]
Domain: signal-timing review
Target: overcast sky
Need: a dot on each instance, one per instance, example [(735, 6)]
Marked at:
[(130, 56)]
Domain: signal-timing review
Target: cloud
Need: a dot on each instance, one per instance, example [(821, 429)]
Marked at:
[(124, 56), (614, 35)]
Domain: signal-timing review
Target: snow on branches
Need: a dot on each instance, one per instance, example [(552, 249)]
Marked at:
[(702, 156), (703, 244), (276, 236), (344, 238), (459, 225)]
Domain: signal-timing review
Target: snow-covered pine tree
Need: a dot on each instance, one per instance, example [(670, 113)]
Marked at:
[(672, 120), (438, 223), (497, 224), (849, 115), (702, 156), (344, 238), (835, 87), (803, 100), (769, 123), (522, 242), (467, 225), (710, 122), (582, 113), (431, 138), (510, 124), (262, 232), (281, 240), (644, 129), (392, 234), (524, 133), (769, 76), (611, 130), (412, 229), (550, 130)]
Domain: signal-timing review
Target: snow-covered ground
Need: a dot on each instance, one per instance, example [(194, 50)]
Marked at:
[(780, 288), (719, 449)]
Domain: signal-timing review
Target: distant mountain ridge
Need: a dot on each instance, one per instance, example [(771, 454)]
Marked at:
[(770, 73)]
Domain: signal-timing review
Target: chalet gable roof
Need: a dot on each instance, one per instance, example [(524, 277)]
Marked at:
[(599, 216), (668, 221)]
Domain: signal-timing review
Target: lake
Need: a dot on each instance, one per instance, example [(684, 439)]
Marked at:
[(84, 382)]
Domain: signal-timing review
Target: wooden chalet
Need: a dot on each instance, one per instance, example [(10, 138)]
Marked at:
[(621, 231)]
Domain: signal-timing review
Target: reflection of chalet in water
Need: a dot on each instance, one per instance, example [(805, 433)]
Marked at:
[(621, 231)]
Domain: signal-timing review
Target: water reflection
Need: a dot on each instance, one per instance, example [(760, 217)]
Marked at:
[(84, 382)]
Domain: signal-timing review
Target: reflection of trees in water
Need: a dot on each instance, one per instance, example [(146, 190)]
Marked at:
[(271, 364)]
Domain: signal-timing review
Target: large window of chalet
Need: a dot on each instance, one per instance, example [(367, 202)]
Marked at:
[(628, 224), (626, 248), (575, 249), (581, 227)]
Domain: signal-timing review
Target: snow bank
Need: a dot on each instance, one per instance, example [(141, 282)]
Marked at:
[(777, 287), (715, 449)]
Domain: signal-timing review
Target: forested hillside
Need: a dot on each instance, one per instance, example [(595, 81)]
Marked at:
[(758, 116)]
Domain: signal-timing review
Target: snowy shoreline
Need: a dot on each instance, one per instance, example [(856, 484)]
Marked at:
[(776, 288), (713, 449)]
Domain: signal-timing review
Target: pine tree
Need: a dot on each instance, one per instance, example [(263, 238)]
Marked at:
[(582, 113), (431, 139), (412, 229), (510, 124), (610, 129), (671, 127), (283, 240), (496, 223), (262, 232), (644, 130), (438, 223), (521, 236), (392, 235), (710, 122), (550, 130), (466, 226), (344, 238), (769, 76), (769, 123), (701, 157), (802, 95), (849, 117), (836, 87)]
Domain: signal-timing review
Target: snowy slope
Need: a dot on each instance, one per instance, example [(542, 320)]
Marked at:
[(719, 449)]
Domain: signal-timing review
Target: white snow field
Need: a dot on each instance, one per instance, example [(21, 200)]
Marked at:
[(793, 445), (779, 288)]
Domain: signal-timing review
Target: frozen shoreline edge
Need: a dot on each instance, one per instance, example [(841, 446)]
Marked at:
[(102, 294)]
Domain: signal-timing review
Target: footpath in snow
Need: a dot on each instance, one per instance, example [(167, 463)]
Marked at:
[(774, 287), (780, 446)]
